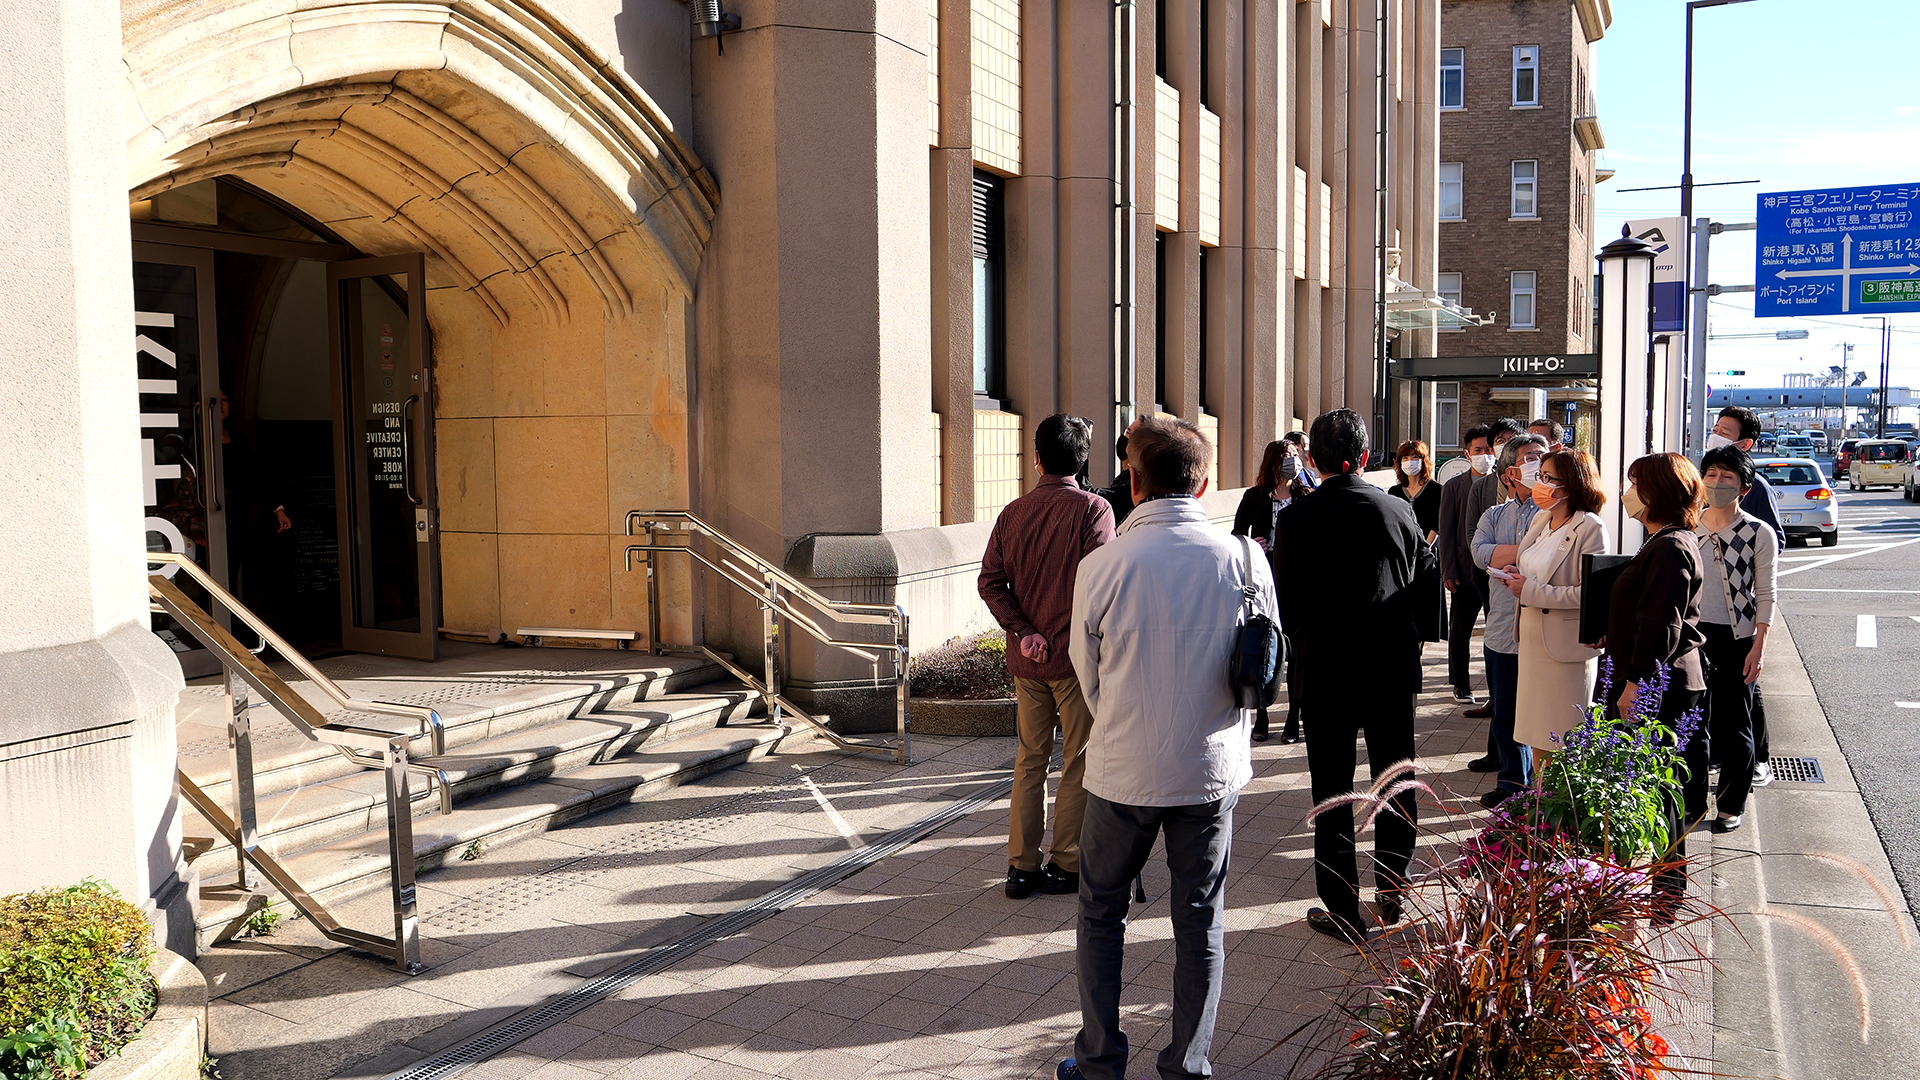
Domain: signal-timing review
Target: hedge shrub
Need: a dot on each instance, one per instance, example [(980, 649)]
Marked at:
[(74, 984)]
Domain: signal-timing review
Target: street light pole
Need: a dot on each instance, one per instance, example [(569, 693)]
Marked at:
[(1699, 380), (1886, 342)]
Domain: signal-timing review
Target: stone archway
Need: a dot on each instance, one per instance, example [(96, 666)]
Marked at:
[(563, 222)]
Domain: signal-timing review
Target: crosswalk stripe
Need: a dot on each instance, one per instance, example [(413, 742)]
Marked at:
[(1866, 634)]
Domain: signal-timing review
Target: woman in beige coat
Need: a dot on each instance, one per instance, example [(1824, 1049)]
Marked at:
[(1556, 670)]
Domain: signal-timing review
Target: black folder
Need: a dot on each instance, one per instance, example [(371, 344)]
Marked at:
[(1597, 575)]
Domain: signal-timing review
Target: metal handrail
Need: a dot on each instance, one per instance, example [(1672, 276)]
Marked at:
[(246, 672), (775, 591)]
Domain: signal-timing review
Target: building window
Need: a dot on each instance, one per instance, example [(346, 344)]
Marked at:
[(1579, 309), (1206, 321), (1160, 34), (1526, 186), (1160, 318), (1520, 313), (1448, 287), (1446, 414), (1526, 75), (1453, 200), (989, 288), (1453, 78)]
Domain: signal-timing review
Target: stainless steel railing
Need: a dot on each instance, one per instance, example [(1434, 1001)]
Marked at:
[(365, 744), (783, 599)]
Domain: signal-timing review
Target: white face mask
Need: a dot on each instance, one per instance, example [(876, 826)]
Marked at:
[(1716, 440), (1482, 463), (1529, 472), (1412, 466)]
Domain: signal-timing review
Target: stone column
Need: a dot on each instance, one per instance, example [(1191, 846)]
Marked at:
[(87, 753)]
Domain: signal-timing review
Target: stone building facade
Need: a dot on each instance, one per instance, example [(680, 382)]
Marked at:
[(387, 312), (1519, 131)]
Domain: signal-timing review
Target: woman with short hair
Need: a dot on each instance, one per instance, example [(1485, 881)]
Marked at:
[(1413, 468)]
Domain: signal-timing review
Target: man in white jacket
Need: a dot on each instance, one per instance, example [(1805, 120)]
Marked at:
[(1155, 614)]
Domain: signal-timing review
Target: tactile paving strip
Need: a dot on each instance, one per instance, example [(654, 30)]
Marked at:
[(724, 821)]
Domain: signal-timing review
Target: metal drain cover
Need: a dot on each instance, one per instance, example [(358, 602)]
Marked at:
[(1799, 770)]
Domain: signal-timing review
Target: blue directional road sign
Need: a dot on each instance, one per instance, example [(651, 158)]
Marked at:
[(1838, 251)]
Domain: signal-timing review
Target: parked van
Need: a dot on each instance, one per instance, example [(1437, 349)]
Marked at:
[(1795, 446), (1879, 461)]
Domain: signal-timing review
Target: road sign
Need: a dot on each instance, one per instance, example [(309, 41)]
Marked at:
[(1835, 251)]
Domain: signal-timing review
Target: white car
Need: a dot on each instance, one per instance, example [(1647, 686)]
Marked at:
[(1795, 446), (1819, 440), (1806, 501)]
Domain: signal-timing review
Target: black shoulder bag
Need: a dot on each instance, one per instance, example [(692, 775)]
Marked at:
[(1258, 650)]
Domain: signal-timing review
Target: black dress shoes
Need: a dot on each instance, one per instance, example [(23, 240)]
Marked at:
[(1322, 921), (1058, 882), (1023, 883), (1484, 764)]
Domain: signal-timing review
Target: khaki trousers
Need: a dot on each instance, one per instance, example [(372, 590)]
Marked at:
[(1041, 704)]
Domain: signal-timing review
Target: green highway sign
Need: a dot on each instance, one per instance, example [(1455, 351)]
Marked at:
[(1899, 291)]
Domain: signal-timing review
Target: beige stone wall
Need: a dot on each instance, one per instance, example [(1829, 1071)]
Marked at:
[(996, 85), (1209, 178), (1166, 156), (998, 461)]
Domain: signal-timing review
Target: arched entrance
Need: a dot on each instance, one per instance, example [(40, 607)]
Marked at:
[(509, 354)]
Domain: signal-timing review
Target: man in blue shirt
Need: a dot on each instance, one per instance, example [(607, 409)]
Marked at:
[(1496, 545)]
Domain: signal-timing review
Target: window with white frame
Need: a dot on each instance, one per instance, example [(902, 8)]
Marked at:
[(1446, 414), (1453, 78), (1526, 189), (1579, 309), (1448, 286), (1520, 299), (1453, 200), (1526, 75)]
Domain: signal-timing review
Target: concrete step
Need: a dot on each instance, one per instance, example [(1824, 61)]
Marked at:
[(291, 821), (494, 695), (554, 786)]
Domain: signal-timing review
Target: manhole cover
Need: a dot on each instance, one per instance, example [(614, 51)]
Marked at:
[(1799, 770)]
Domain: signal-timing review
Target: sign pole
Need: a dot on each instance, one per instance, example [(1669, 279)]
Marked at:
[(1697, 339)]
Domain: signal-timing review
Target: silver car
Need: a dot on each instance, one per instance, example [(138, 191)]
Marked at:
[(1795, 446), (1806, 501)]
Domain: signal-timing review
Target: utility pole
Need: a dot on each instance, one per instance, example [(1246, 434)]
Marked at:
[(1846, 361), (1699, 291)]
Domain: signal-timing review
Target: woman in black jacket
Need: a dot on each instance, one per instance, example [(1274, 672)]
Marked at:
[(1277, 484), (1653, 617)]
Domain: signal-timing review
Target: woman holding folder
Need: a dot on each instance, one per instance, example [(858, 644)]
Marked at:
[(1556, 670)]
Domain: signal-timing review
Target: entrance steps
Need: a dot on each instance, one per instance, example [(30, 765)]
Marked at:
[(535, 738)]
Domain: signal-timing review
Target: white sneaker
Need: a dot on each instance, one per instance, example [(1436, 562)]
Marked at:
[(1763, 774), (1465, 699)]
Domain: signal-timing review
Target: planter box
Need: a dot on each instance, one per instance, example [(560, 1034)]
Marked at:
[(992, 716), (173, 1042)]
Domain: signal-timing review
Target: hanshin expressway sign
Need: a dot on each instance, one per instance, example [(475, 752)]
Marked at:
[(1838, 251)]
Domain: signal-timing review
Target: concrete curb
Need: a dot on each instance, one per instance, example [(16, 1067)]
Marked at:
[(1785, 1002), (171, 1045)]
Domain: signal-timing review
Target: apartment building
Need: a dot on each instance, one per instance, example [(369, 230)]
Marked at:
[(1519, 131)]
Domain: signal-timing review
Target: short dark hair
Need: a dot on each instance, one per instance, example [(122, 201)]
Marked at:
[(1296, 437), (1556, 431), (1669, 486), (1579, 479), (1171, 455), (1477, 431), (1749, 422), (1062, 442), (1506, 425), (1338, 441), (1731, 458)]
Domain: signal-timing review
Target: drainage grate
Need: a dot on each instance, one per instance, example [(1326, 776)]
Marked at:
[(1799, 770), (464, 1055)]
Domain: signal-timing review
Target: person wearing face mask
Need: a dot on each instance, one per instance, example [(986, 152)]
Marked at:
[(1274, 488), (1496, 543), (1653, 618), (1556, 670), (1413, 467), (1736, 426), (1487, 492), (1464, 584), (1741, 566)]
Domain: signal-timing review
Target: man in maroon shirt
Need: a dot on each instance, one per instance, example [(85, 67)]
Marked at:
[(1026, 578)]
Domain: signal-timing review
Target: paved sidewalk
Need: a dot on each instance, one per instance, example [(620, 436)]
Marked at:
[(1786, 1004), (915, 966)]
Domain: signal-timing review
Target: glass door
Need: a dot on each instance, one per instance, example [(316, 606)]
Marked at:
[(389, 540), (180, 424)]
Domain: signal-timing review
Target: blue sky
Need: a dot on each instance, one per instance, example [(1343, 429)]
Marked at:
[(1793, 93)]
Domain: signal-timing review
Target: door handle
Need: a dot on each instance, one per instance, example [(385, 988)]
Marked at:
[(406, 450), (209, 448)]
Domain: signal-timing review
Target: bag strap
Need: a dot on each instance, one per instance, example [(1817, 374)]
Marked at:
[(1248, 590)]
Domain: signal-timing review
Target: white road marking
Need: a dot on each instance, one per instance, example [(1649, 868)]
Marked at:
[(1915, 618), (854, 842), (1866, 633), (1830, 560), (1906, 704)]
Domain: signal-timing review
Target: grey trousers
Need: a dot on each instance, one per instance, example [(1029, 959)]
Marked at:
[(1115, 841)]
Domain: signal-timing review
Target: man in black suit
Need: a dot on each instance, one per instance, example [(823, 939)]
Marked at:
[(1348, 555)]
